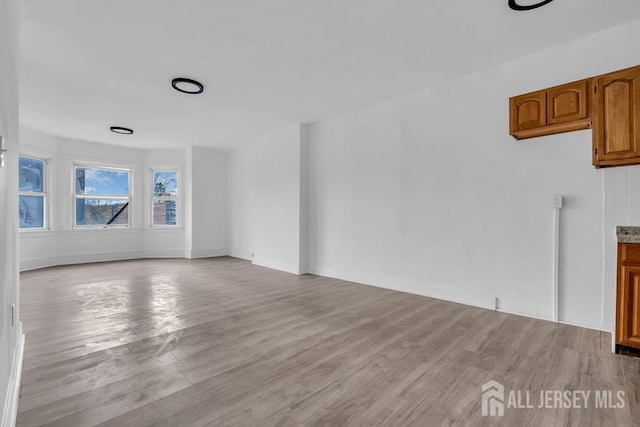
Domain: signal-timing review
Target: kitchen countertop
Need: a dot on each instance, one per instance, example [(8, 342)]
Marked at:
[(628, 234)]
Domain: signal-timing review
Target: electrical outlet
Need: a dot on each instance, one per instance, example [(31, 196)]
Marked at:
[(2, 151), (557, 201)]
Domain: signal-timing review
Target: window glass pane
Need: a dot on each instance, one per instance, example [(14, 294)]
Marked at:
[(165, 183), (31, 174), (164, 212), (100, 212), (31, 211), (102, 182)]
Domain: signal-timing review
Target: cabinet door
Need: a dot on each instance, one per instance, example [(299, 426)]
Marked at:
[(628, 306), (528, 111), (616, 127), (568, 102)]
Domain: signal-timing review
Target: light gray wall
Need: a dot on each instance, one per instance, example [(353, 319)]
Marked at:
[(9, 289), (208, 202), (265, 201)]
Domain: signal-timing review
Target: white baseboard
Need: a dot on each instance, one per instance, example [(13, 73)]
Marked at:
[(241, 253), (452, 295), (35, 264), (77, 259), (85, 259), (117, 256), (164, 254), (587, 326), (277, 265), (10, 410), (208, 253), (562, 322)]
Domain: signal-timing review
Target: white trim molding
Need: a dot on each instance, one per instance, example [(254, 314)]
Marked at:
[(10, 411), (241, 253), (277, 265), (424, 289), (118, 256), (77, 259), (208, 253)]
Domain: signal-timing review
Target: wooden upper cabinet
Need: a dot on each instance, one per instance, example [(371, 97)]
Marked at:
[(568, 102), (546, 112), (528, 111), (616, 121), (610, 104)]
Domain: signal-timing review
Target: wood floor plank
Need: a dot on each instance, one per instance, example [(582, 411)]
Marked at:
[(220, 341)]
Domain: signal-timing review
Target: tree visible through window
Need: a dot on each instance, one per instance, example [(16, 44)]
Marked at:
[(165, 198), (102, 196), (32, 193)]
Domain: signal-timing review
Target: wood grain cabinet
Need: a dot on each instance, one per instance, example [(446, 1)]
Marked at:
[(558, 109), (616, 120), (610, 104), (568, 103), (529, 111), (628, 296)]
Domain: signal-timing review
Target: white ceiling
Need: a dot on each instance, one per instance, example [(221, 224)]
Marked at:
[(266, 64)]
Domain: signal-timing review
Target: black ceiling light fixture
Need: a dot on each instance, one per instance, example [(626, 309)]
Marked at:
[(515, 6), (121, 130), (184, 85)]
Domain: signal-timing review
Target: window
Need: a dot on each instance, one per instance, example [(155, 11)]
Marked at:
[(102, 196), (32, 190), (164, 199)]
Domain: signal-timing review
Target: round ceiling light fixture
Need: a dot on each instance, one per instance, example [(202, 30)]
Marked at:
[(190, 86), (515, 6), (121, 130)]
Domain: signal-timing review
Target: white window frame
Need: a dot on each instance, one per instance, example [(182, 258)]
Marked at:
[(150, 189), (74, 196), (44, 194)]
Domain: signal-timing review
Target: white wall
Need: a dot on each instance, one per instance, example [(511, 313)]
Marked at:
[(63, 244), (265, 201), (208, 202), (10, 334), (429, 194)]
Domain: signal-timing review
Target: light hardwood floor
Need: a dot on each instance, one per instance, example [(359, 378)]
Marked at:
[(222, 342)]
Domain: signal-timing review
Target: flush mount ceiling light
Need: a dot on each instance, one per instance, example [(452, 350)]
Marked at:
[(515, 6), (189, 86), (121, 130)]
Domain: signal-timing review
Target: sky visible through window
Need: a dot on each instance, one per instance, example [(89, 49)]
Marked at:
[(31, 181), (109, 210), (102, 182), (165, 183), (31, 174)]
